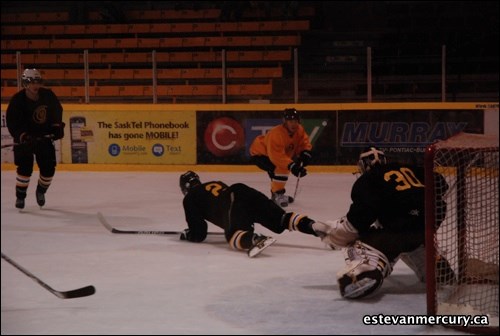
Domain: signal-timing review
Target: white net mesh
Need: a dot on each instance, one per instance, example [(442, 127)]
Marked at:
[(468, 236)]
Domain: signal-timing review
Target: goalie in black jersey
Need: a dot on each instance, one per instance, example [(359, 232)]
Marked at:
[(235, 209), (385, 223)]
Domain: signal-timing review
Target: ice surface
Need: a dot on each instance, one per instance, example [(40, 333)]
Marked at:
[(159, 285)]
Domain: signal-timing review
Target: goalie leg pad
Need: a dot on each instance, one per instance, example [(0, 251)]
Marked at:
[(445, 274), (359, 280), (365, 270), (416, 261), (339, 233)]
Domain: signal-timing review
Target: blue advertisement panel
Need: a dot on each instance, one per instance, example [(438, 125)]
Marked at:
[(338, 136), (402, 134)]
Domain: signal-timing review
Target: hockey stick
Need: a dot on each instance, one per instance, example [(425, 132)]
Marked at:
[(113, 230), (75, 293), (296, 188), (48, 136)]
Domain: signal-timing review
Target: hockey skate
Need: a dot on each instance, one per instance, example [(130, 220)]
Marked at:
[(40, 195), (40, 198), (20, 197), (260, 243), (20, 203), (281, 199)]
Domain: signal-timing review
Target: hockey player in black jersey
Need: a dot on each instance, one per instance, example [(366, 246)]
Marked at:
[(34, 119), (235, 209), (385, 223)]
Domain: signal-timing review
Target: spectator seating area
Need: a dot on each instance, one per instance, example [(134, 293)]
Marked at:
[(177, 56), (238, 51), (412, 48)]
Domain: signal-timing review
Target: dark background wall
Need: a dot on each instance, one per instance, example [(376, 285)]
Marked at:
[(406, 41)]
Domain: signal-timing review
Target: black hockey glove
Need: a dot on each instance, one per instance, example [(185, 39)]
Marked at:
[(185, 235), (297, 169), (58, 130), (26, 138), (305, 156)]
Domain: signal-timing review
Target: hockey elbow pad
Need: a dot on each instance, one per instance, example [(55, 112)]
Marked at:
[(58, 130)]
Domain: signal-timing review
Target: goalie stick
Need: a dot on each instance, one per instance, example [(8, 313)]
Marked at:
[(114, 230), (72, 294)]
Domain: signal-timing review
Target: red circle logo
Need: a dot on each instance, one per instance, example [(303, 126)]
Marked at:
[(224, 137)]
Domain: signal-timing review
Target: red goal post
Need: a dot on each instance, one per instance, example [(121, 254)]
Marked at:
[(468, 236)]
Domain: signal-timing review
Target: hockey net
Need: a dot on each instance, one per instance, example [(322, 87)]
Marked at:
[(468, 236)]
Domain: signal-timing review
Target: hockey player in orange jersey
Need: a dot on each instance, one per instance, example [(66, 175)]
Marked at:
[(285, 148)]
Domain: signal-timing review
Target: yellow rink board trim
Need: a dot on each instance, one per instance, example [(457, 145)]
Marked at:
[(279, 107), (179, 168)]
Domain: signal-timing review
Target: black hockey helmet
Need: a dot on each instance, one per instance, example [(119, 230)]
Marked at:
[(291, 114), (369, 158), (188, 180)]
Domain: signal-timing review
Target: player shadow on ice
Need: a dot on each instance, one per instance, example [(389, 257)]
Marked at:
[(328, 288), (398, 284), (402, 284), (54, 213)]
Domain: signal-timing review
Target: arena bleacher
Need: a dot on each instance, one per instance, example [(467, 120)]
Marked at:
[(202, 52)]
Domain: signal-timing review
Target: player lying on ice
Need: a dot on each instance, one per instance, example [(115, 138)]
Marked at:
[(235, 209)]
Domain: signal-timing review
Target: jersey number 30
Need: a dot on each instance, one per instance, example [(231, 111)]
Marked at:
[(404, 177)]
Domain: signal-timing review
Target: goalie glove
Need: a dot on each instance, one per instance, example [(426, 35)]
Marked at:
[(297, 169), (305, 157), (339, 233)]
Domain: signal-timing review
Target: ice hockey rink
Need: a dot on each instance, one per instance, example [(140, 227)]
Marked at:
[(149, 284)]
